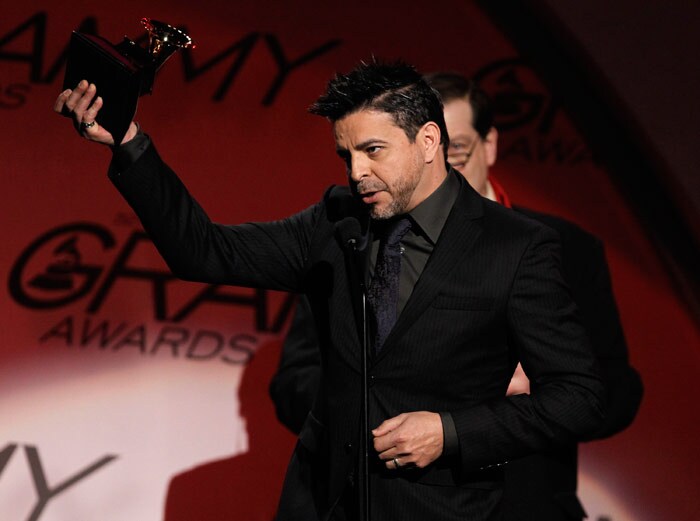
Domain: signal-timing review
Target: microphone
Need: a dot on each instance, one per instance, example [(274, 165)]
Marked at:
[(350, 233), (351, 219), (340, 203)]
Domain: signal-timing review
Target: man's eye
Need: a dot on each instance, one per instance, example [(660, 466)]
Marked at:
[(458, 146), (373, 149)]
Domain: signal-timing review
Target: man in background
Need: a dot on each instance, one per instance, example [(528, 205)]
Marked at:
[(541, 486)]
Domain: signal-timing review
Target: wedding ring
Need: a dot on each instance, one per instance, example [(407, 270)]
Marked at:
[(85, 126), (396, 463)]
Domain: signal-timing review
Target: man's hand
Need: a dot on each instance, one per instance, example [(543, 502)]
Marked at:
[(412, 439), (79, 105), (519, 383)]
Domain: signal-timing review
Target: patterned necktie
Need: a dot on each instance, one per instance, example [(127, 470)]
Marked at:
[(383, 293)]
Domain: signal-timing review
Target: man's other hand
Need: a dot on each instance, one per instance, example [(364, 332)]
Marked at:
[(413, 439)]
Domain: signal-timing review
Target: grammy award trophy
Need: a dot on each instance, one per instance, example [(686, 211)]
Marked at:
[(121, 72)]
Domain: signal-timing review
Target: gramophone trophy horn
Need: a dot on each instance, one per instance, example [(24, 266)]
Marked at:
[(121, 72)]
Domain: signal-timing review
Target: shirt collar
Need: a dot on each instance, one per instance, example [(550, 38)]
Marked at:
[(431, 214)]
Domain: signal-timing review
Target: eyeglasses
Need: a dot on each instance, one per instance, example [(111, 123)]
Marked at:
[(458, 156)]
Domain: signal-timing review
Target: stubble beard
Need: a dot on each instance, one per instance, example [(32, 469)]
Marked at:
[(401, 194), (400, 197)]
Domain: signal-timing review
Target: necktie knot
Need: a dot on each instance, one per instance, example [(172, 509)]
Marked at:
[(395, 231)]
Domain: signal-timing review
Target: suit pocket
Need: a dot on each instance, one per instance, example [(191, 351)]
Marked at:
[(462, 302), (313, 435), (447, 477)]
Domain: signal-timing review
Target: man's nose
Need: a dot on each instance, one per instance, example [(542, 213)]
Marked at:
[(358, 169)]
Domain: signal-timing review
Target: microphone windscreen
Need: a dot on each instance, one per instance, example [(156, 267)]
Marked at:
[(341, 204), (349, 232)]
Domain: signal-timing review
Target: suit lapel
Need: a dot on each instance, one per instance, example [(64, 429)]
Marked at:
[(460, 233)]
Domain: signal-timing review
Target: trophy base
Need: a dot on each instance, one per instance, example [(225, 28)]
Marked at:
[(117, 78)]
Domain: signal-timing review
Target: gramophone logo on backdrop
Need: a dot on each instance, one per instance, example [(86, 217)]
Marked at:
[(58, 274), (525, 114), (84, 263)]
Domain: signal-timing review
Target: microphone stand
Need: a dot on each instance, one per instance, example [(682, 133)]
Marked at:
[(363, 464), (354, 243), (364, 439)]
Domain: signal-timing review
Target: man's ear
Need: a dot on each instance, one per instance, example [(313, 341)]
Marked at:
[(429, 139), (491, 146)]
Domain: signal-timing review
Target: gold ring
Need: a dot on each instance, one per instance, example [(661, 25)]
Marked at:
[(86, 126)]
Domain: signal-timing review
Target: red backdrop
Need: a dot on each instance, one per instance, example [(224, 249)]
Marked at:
[(122, 390)]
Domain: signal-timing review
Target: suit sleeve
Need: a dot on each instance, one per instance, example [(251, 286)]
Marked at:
[(601, 319), (294, 386), (567, 394), (266, 255)]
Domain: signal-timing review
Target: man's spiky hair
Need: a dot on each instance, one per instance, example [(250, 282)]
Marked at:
[(395, 88)]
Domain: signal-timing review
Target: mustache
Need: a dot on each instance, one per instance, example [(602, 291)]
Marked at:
[(368, 186)]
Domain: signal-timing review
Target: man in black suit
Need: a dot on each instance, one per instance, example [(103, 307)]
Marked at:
[(479, 289), (540, 486)]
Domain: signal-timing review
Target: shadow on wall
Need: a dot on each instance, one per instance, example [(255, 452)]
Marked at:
[(246, 486)]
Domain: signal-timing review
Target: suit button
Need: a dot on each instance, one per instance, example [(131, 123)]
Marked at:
[(348, 447), (370, 380)]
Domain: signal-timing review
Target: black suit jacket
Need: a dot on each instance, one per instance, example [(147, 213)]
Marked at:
[(490, 295), (541, 486)]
